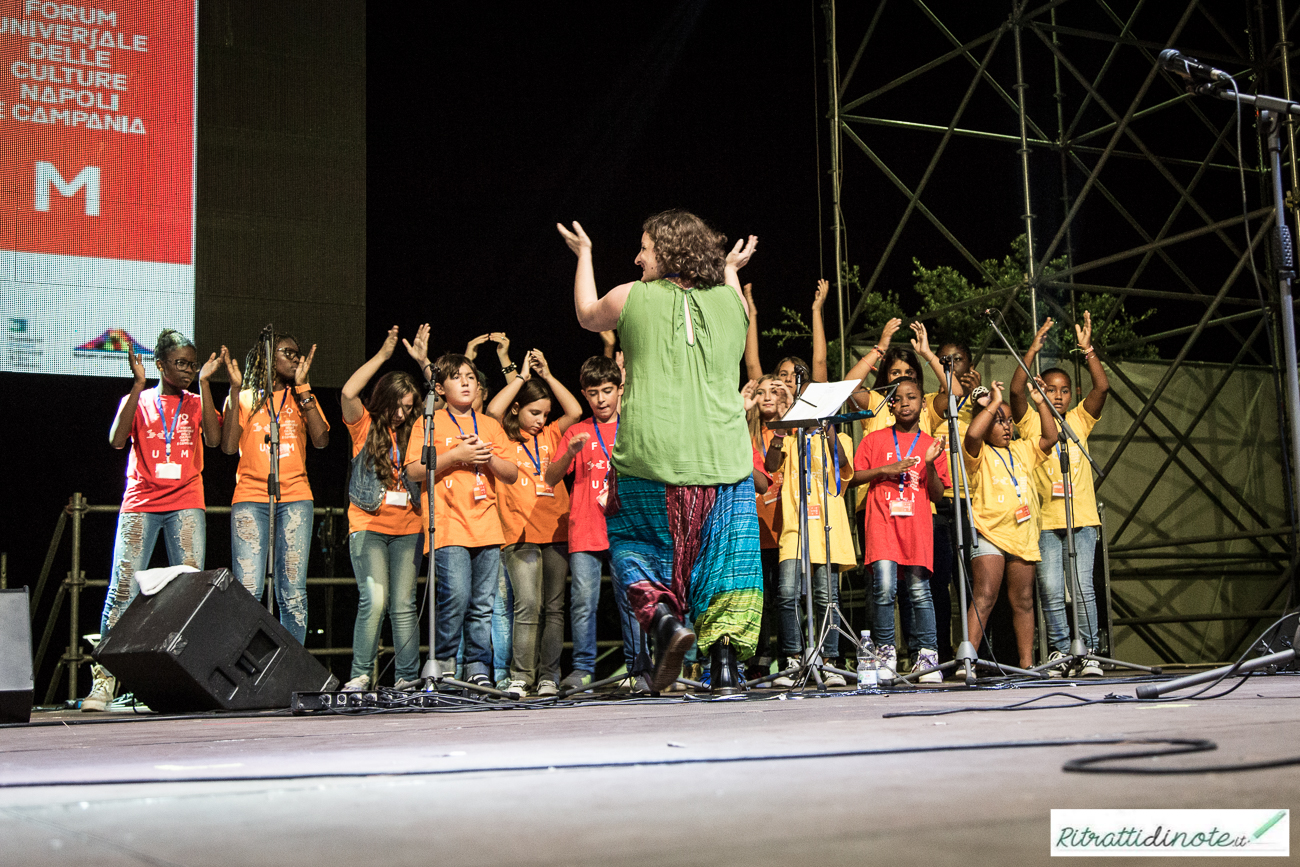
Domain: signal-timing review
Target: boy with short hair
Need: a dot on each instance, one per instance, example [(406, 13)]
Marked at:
[(587, 446), (471, 456)]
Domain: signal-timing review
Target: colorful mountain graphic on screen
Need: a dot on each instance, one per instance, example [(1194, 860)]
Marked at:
[(112, 341)]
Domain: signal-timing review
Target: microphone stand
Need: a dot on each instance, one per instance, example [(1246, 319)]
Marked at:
[(1079, 652), (273, 473)]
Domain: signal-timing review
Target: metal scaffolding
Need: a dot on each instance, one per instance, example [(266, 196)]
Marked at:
[(1137, 185)]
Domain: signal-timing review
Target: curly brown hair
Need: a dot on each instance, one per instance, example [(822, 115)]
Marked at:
[(685, 245), (382, 406)]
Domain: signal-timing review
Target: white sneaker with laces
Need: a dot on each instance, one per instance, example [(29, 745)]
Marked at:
[(785, 681), (1091, 668), (547, 687), (1057, 670), (102, 690), (360, 683), (928, 658), (833, 678), (888, 655), (517, 689)]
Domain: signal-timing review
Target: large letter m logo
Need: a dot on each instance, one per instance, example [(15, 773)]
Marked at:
[(47, 175)]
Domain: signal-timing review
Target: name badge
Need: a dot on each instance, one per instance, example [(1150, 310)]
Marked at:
[(1022, 514), (602, 498), (900, 508), (543, 489), (480, 488), (773, 491), (396, 498), (1058, 489), (167, 471), (814, 511)]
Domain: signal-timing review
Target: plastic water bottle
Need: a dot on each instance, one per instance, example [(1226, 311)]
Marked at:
[(868, 662)]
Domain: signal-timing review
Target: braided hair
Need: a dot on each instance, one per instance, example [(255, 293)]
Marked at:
[(256, 365)]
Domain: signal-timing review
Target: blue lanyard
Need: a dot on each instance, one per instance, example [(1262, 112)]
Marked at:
[(168, 433), (835, 457), (1011, 470), (903, 477), (617, 421), (472, 415), (276, 415), (537, 461)]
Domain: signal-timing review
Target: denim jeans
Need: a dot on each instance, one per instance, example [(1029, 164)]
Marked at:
[(386, 568), (184, 532), (585, 598), (249, 527), (502, 625), (466, 583), (789, 601), (1051, 584), (885, 573), (536, 574)]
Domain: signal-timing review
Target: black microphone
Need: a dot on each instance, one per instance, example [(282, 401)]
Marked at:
[(1189, 68)]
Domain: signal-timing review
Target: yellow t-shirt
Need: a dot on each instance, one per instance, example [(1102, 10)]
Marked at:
[(1048, 473), (842, 553), (995, 498)]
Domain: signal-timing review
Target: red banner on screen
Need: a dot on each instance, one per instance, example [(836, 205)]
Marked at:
[(97, 129)]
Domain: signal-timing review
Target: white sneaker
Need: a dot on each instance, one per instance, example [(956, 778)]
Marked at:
[(888, 656), (359, 683), (517, 689), (547, 687), (1057, 670), (785, 681), (928, 659), (102, 689), (1091, 668), (405, 684), (833, 678)]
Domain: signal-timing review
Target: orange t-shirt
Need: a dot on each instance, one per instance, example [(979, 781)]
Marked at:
[(390, 519), (769, 504), (530, 511), (465, 512), (254, 457)]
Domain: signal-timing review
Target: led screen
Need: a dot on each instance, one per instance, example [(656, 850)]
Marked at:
[(96, 181)]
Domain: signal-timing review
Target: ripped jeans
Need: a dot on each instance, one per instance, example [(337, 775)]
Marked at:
[(184, 532), (248, 531)]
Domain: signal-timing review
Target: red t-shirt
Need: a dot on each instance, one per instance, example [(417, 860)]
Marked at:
[(145, 491), (586, 516), (891, 533)]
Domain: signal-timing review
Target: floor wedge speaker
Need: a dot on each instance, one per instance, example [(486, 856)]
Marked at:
[(15, 657), (204, 643)]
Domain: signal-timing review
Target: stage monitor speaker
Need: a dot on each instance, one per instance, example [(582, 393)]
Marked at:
[(204, 643), (16, 685)]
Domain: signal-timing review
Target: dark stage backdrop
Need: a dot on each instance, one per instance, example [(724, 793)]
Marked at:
[(281, 237)]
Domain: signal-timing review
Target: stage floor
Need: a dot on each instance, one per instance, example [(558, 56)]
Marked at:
[(661, 781)]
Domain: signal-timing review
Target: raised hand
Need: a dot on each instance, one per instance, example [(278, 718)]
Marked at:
[(471, 348), (887, 334), (970, 380), (137, 366), (1037, 392), (819, 296), (747, 392), (211, 366), (921, 343), (232, 370), (995, 394), (577, 239), (390, 344), (741, 253), (304, 366), (577, 442), (526, 369), (539, 364), (618, 359), (932, 453), (419, 348), (1083, 334), (1039, 336)]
